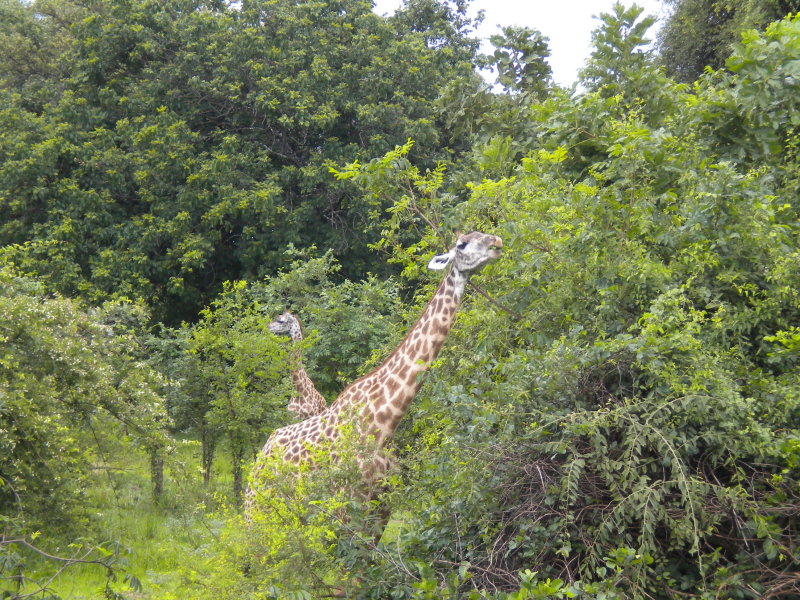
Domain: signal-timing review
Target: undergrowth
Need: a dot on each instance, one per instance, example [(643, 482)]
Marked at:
[(145, 542)]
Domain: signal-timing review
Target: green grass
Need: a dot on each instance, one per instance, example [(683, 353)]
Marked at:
[(156, 540), (171, 547)]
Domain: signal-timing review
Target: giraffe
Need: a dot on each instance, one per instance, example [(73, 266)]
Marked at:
[(309, 401), (376, 402)]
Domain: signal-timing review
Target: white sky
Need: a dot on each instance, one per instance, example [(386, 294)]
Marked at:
[(568, 24)]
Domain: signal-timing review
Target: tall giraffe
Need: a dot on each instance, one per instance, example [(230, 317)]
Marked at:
[(309, 401), (377, 401)]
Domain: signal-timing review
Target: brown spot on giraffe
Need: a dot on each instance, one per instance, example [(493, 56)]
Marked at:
[(391, 385), (383, 417)]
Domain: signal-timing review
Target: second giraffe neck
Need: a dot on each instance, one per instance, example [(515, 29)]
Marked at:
[(296, 335), (300, 379)]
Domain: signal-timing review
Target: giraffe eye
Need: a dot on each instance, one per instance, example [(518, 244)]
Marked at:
[(462, 245)]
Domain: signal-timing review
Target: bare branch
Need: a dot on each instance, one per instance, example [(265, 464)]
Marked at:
[(513, 313)]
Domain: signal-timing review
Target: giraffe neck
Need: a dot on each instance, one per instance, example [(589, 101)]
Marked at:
[(383, 396), (296, 330), (300, 378), (311, 401), (302, 382)]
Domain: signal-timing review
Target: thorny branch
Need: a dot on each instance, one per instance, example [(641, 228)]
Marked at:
[(66, 562)]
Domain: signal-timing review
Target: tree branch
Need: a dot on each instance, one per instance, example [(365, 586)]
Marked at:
[(513, 313)]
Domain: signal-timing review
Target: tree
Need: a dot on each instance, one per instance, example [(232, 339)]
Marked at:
[(187, 397), (240, 364), (69, 380), (699, 34), (187, 143), (35, 41), (618, 54), (520, 58)]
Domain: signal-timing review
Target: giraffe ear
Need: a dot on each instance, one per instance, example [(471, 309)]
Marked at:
[(441, 261)]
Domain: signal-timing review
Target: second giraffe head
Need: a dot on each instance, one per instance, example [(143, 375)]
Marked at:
[(287, 324)]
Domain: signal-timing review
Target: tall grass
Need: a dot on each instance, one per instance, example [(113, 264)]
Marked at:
[(156, 540)]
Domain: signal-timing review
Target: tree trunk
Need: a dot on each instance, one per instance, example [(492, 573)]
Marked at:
[(237, 459), (157, 473), (208, 444)]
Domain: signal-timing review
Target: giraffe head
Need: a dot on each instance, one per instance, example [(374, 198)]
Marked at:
[(286, 324), (471, 253)]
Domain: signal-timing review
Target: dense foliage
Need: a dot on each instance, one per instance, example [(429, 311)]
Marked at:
[(177, 145), (67, 375), (630, 425), (700, 33), (616, 412)]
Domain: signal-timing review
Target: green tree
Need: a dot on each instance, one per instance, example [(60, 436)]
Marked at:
[(187, 397), (618, 57), (699, 34), (240, 365), (187, 143), (520, 58), (68, 381), (35, 41)]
